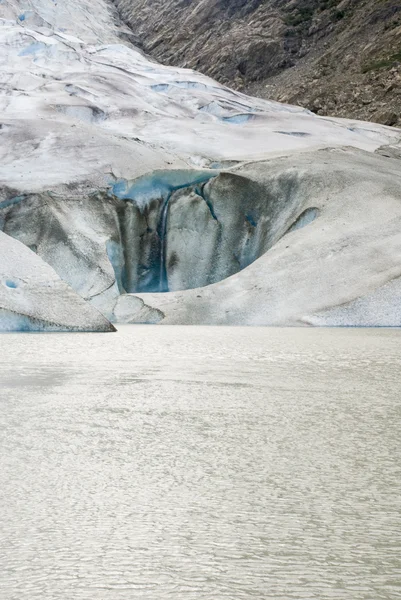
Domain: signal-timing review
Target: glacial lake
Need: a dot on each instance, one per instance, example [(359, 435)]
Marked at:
[(201, 463)]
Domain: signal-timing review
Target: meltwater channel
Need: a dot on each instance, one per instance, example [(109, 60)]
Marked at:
[(201, 463)]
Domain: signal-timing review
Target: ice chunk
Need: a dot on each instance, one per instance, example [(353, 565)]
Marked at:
[(34, 298)]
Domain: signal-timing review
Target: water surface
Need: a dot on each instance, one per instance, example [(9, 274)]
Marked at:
[(196, 463)]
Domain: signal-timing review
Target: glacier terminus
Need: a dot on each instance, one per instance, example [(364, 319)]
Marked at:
[(131, 192)]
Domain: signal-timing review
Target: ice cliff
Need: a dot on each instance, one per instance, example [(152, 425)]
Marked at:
[(158, 195)]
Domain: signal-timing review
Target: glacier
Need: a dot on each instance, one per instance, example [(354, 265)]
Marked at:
[(158, 195), (34, 298)]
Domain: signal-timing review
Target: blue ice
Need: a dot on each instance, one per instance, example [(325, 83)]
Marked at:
[(12, 201), (11, 284), (158, 185), (304, 219), (187, 85), (237, 119), (33, 49), (10, 321), (160, 87), (116, 257)]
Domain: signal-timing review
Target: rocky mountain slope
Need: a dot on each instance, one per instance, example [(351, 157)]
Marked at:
[(335, 57), (155, 194)]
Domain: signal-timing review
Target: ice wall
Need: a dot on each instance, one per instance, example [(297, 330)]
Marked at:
[(171, 231)]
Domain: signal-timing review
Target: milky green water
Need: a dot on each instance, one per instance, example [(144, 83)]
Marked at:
[(201, 463)]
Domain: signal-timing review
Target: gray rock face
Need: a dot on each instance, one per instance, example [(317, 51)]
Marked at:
[(34, 298), (338, 58)]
